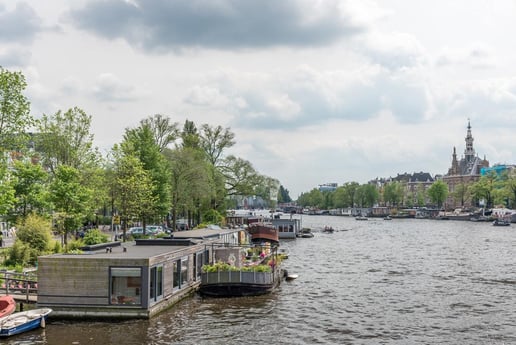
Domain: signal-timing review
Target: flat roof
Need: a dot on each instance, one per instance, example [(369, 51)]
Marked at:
[(203, 233), (143, 251)]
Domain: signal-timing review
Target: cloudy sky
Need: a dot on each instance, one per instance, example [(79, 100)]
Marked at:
[(315, 91)]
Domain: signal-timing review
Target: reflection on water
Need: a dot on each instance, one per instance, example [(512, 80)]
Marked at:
[(370, 282)]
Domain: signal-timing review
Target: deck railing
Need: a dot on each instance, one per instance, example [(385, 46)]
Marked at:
[(218, 277), (24, 286)]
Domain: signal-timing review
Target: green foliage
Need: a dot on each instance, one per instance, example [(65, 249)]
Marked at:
[(35, 231), (283, 195), (225, 267), (95, 236), (57, 248), (30, 188), (438, 192), (20, 254), (212, 217), (15, 118), (74, 246)]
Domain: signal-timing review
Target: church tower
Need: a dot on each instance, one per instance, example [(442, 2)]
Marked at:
[(469, 152)]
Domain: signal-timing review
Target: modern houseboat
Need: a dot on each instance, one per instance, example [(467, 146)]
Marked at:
[(131, 279), (288, 228)]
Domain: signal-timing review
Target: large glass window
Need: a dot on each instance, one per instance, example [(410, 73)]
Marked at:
[(156, 283), (198, 262), (184, 270), (126, 285), (177, 274)]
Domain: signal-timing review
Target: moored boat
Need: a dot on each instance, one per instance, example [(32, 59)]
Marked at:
[(7, 305), (23, 321), (263, 232), (501, 222), (306, 233), (240, 271)]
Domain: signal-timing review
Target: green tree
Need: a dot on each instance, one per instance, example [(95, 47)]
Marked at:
[(132, 189), (190, 135), (283, 195), (189, 180), (350, 189), (484, 189), (7, 191), (15, 118), (165, 131), (438, 192), (214, 140), (140, 142), (510, 188), (72, 200), (65, 139), (367, 195), (30, 188), (240, 176), (393, 193), (33, 238)]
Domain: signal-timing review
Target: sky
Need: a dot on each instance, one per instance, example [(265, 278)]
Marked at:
[(315, 91)]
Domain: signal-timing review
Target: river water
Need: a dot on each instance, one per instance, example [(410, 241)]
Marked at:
[(404, 281)]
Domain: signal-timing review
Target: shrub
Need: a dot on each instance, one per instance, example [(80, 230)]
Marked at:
[(95, 236), (36, 232)]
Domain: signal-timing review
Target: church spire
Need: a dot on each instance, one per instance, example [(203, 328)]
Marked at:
[(469, 152)]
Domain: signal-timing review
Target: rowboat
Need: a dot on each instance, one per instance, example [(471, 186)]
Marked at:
[(23, 321), (7, 305)]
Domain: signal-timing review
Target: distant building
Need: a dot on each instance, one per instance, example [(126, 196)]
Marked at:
[(499, 169), (462, 173), (414, 185), (328, 187)]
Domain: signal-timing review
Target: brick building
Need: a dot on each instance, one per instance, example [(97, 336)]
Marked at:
[(463, 173)]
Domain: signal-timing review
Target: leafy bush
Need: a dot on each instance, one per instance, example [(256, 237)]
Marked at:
[(36, 232), (224, 267), (95, 236)]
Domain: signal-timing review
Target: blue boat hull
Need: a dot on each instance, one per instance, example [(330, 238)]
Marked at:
[(28, 326)]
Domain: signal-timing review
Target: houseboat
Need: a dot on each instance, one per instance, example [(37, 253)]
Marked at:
[(263, 232), (237, 271), (131, 279), (288, 228)]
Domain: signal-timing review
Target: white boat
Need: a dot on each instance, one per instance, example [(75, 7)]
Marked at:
[(23, 321), (361, 218)]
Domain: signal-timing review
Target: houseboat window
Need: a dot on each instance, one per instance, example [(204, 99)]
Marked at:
[(156, 283), (176, 280), (126, 285), (198, 262), (184, 270)]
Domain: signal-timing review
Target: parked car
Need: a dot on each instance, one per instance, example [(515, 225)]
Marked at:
[(137, 230), (154, 229)]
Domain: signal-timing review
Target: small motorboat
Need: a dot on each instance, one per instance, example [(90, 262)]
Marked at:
[(291, 277), (23, 321), (328, 229), (501, 222), (387, 218), (7, 305), (361, 218), (306, 233)]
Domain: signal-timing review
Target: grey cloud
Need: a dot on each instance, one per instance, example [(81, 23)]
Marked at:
[(20, 24), (357, 102), (163, 25), (15, 58)]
